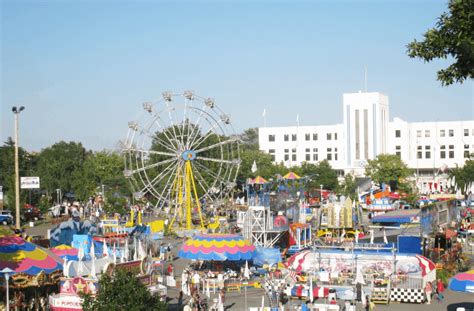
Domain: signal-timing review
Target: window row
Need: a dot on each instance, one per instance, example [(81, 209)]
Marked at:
[(442, 133), (331, 154), (307, 137)]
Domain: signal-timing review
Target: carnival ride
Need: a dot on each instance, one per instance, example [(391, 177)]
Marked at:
[(181, 154)]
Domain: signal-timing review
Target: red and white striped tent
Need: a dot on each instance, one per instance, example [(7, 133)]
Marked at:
[(334, 262)]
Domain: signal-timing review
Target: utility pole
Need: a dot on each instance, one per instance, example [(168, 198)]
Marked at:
[(16, 112)]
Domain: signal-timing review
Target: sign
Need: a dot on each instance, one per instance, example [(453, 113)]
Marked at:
[(29, 182)]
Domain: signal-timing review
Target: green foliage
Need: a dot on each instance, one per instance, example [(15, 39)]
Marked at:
[(349, 186), (123, 291), (60, 165), (386, 168), (464, 175), (265, 166), (319, 174), (451, 37), (7, 171), (249, 139)]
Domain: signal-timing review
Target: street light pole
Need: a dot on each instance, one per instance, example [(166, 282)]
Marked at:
[(16, 112), (6, 273)]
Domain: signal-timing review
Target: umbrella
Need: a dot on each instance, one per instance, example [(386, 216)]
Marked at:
[(291, 176), (217, 247), (26, 257), (259, 180), (65, 252), (463, 282)]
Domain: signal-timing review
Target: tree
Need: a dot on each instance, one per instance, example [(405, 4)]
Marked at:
[(319, 174), (249, 139), (464, 175), (122, 291), (60, 165), (386, 168), (349, 186), (451, 37), (7, 171)]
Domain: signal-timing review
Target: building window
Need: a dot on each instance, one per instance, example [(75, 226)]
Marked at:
[(418, 133), (287, 156), (308, 157), (328, 136), (419, 153), (293, 137), (398, 151), (315, 136), (315, 154), (335, 136), (442, 133), (466, 132), (427, 154), (293, 157), (467, 154), (451, 133), (329, 154), (427, 133), (335, 154), (286, 137), (398, 133), (442, 153), (451, 151), (271, 137), (307, 137), (272, 153)]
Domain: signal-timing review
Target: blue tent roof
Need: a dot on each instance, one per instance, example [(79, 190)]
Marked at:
[(400, 217)]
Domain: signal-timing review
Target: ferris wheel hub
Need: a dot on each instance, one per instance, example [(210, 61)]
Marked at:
[(189, 155)]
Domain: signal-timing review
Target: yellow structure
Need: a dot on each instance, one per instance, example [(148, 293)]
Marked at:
[(185, 193), (157, 226)]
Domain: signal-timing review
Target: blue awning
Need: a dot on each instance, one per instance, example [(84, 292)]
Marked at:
[(399, 217)]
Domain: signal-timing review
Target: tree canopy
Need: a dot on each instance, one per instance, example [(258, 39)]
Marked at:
[(464, 175), (122, 291), (451, 37), (386, 168)]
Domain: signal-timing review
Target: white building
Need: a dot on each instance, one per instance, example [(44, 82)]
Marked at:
[(366, 131)]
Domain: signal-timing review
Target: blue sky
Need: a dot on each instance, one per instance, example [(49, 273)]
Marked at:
[(83, 68)]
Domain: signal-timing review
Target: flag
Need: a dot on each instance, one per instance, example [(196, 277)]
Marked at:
[(298, 118), (264, 112), (254, 166), (246, 271), (311, 289), (385, 237), (372, 236), (105, 250)]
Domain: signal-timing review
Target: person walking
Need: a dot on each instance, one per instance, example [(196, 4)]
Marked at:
[(428, 292), (440, 290)]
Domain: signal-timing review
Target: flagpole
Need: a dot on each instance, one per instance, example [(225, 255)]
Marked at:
[(264, 115)]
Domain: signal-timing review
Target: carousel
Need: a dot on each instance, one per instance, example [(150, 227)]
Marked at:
[(35, 272)]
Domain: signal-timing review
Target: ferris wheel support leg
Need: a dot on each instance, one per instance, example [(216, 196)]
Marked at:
[(196, 197), (188, 196)]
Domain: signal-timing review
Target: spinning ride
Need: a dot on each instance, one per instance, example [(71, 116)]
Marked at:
[(180, 154)]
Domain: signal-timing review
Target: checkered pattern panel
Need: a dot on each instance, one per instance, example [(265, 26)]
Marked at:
[(413, 295)]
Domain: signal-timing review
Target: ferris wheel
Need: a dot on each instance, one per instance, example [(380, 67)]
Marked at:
[(181, 153)]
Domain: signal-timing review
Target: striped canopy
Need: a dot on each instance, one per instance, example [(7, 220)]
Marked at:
[(291, 176), (26, 257), (259, 180), (221, 247), (65, 252), (463, 282)]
